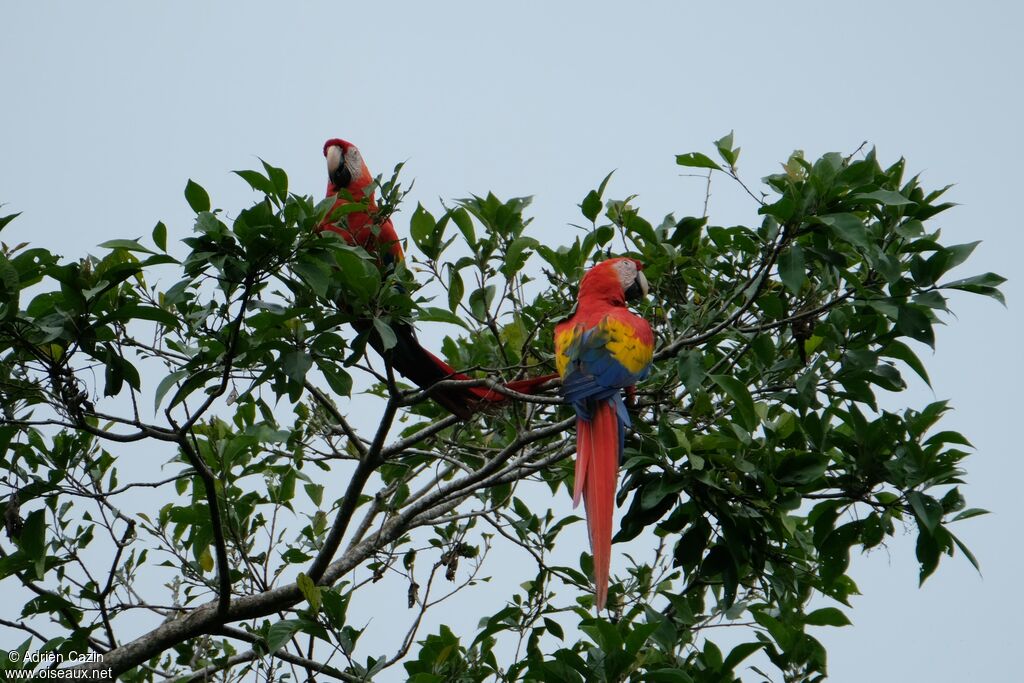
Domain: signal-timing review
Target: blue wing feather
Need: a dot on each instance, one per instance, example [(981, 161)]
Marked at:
[(596, 375)]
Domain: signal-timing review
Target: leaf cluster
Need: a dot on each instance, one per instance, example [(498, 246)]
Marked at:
[(762, 455)]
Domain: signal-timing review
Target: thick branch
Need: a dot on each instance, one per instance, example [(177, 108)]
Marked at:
[(206, 618), (370, 461), (283, 655)]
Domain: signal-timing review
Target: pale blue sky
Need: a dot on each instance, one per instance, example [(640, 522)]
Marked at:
[(108, 108)]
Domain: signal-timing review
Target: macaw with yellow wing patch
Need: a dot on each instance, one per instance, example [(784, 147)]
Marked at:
[(601, 350), (347, 171)]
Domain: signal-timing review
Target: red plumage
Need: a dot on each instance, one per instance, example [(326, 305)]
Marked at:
[(597, 476), (359, 226), (602, 350), (349, 173)]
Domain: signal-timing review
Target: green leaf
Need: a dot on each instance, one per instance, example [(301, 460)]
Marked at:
[(742, 402), (827, 616), (928, 551), (4, 220), (387, 335), (792, 268), (591, 206), (739, 653), (985, 279), (10, 289), (900, 351), (887, 197), (480, 301), (14, 659), (165, 385), (783, 634), (310, 591), (314, 273), (970, 512), (296, 364), (958, 253), (847, 227), (726, 150), (358, 272), (634, 223), (801, 469), (691, 369), (338, 380), (315, 493), (160, 236), (278, 178), (257, 181), (554, 628), (280, 633), (456, 289), (516, 255), (927, 510), (985, 284), (421, 227), (130, 245), (113, 375), (440, 315), (32, 539), (967, 553), (197, 197), (872, 533), (915, 323), (697, 160), (638, 638), (464, 223), (835, 551)]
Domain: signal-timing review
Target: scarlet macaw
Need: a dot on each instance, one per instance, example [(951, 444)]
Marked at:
[(601, 350), (347, 170)]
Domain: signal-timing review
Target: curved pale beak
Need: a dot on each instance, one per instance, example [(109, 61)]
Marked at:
[(334, 157), (637, 289)]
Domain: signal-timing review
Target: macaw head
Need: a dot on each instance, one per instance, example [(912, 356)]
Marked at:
[(615, 281), (346, 169)]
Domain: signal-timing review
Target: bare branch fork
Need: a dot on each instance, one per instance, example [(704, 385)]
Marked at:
[(206, 618)]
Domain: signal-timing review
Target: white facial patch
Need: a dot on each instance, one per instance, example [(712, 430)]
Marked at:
[(627, 272), (354, 162)]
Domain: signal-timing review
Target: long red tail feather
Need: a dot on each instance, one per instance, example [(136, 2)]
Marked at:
[(529, 385), (424, 369), (597, 473)]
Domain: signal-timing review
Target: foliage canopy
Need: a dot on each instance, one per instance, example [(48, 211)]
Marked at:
[(760, 458)]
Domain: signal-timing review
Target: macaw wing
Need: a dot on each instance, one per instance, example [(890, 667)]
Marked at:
[(596, 363), (615, 352)]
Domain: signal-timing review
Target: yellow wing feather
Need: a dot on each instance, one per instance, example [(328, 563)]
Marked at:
[(624, 345)]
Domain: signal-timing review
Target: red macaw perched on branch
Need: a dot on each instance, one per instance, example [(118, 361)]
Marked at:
[(601, 350), (346, 170)]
